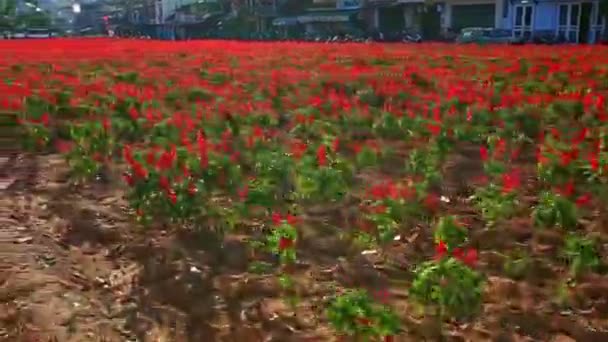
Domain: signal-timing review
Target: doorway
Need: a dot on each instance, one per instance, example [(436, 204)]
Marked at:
[(431, 22)]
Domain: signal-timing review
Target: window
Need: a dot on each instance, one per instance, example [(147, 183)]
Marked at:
[(505, 8), (563, 14), (528, 17), (519, 11), (574, 15), (134, 16)]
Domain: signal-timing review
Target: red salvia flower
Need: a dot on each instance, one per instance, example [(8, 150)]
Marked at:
[(483, 152), (583, 200), (285, 243), (510, 181), (594, 162), (172, 196), (163, 182), (192, 189), (167, 159), (335, 144), (470, 257), (441, 249), (243, 192), (434, 129), (568, 189), (432, 202), (151, 157), (292, 220), (276, 219), (364, 321), (45, 119), (140, 170), (322, 155), (63, 146), (106, 123), (128, 179), (457, 253)]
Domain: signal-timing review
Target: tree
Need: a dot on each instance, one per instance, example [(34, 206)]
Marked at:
[(7, 13)]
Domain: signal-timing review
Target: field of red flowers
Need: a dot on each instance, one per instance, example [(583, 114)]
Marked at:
[(223, 191)]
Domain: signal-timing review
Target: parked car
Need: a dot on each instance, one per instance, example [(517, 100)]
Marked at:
[(486, 35)]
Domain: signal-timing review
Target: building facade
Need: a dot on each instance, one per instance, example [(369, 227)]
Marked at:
[(571, 21)]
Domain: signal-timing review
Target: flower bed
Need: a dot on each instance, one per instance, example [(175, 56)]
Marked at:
[(442, 167)]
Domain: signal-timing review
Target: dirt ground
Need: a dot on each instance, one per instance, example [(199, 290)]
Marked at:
[(74, 267)]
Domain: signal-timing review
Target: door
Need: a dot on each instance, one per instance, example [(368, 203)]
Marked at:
[(569, 22), (585, 23), (464, 16), (523, 21)]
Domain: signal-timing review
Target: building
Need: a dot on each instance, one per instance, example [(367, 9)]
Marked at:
[(572, 21)]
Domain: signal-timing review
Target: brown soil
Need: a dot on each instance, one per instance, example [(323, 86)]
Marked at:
[(75, 267)]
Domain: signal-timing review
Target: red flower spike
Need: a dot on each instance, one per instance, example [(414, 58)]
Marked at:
[(276, 219), (45, 119), (63, 146), (364, 321), (483, 152), (335, 145), (432, 202), (163, 182), (322, 155), (583, 200), (594, 162), (510, 181), (441, 249), (457, 253), (292, 220), (172, 196), (106, 124), (243, 193), (568, 189), (285, 243), (470, 257), (140, 171), (192, 189), (128, 179)]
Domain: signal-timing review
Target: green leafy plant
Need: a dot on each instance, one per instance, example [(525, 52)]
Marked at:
[(494, 204), (93, 147), (517, 265), (555, 210), (448, 285), (354, 313), (450, 232), (581, 253)]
